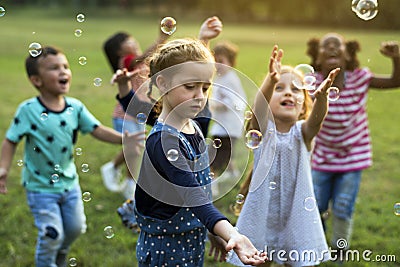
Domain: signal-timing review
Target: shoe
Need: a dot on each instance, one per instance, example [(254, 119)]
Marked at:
[(127, 214), (110, 177), (129, 188)]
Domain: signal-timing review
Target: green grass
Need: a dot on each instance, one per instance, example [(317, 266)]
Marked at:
[(376, 228)]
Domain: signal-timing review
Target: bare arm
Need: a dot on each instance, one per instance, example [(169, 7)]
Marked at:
[(313, 124), (242, 246), (7, 154), (210, 29), (391, 50), (264, 94), (107, 134)]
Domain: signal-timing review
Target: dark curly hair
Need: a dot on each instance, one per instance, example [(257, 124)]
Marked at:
[(352, 47)]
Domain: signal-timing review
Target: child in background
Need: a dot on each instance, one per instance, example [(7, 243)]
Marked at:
[(51, 122), (172, 198), (123, 51), (227, 104), (279, 213), (343, 146)]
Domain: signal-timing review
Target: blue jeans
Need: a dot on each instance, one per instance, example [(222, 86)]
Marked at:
[(60, 219), (340, 187)]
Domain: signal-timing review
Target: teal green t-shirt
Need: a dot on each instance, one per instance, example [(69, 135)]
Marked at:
[(49, 142)]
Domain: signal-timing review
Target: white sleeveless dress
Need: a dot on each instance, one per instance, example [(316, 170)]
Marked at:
[(280, 215)]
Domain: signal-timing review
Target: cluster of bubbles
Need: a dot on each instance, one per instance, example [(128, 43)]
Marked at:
[(308, 82), (365, 9), (168, 25)]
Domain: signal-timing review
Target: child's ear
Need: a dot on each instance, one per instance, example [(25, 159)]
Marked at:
[(161, 84), (36, 80)]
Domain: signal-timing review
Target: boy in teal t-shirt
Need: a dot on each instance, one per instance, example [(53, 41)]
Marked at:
[(50, 124)]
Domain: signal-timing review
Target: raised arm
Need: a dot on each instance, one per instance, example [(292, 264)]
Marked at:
[(210, 29), (391, 50), (7, 153), (313, 124), (264, 94)]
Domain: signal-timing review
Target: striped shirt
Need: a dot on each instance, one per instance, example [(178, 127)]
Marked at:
[(343, 143)]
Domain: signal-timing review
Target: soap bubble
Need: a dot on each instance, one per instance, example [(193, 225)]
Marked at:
[(2, 11), (80, 17), (308, 80), (172, 155), (366, 9), (35, 49), (253, 139), (333, 94), (168, 25)]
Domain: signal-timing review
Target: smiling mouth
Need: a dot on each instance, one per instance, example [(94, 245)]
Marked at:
[(63, 81), (288, 103)]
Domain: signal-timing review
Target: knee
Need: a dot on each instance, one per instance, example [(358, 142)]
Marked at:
[(343, 206), (52, 236)]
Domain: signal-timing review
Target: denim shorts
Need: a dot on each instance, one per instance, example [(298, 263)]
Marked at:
[(339, 187)]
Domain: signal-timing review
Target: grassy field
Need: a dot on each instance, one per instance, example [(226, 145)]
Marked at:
[(376, 228)]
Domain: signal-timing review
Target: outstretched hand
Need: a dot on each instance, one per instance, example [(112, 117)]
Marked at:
[(245, 250), (210, 29), (217, 247), (324, 87), (275, 63), (390, 49), (133, 143)]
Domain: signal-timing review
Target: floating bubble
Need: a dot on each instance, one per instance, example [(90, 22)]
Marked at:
[(397, 209), (109, 232), (78, 151), (354, 4), (300, 99), (333, 94), (235, 208), (54, 178), (310, 203), (35, 49), (2, 11), (168, 25), (20, 163), (97, 82), (85, 167), (141, 118), (44, 116), (70, 110), (247, 115), (57, 168), (80, 17), (211, 175), (73, 262), (253, 139), (82, 60), (240, 199), (367, 9), (86, 196), (78, 32), (217, 143), (172, 155), (308, 80), (272, 185)]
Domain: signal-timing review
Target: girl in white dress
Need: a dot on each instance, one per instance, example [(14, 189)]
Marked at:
[(280, 215)]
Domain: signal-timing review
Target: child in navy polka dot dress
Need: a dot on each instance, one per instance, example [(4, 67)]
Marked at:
[(173, 203)]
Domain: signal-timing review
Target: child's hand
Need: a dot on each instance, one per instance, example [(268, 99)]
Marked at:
[(275, 62), (3, 180), (390, 49), (210, 29), (245, 250), (133, 143), (217, 247), (323, 89), (121, 76)]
